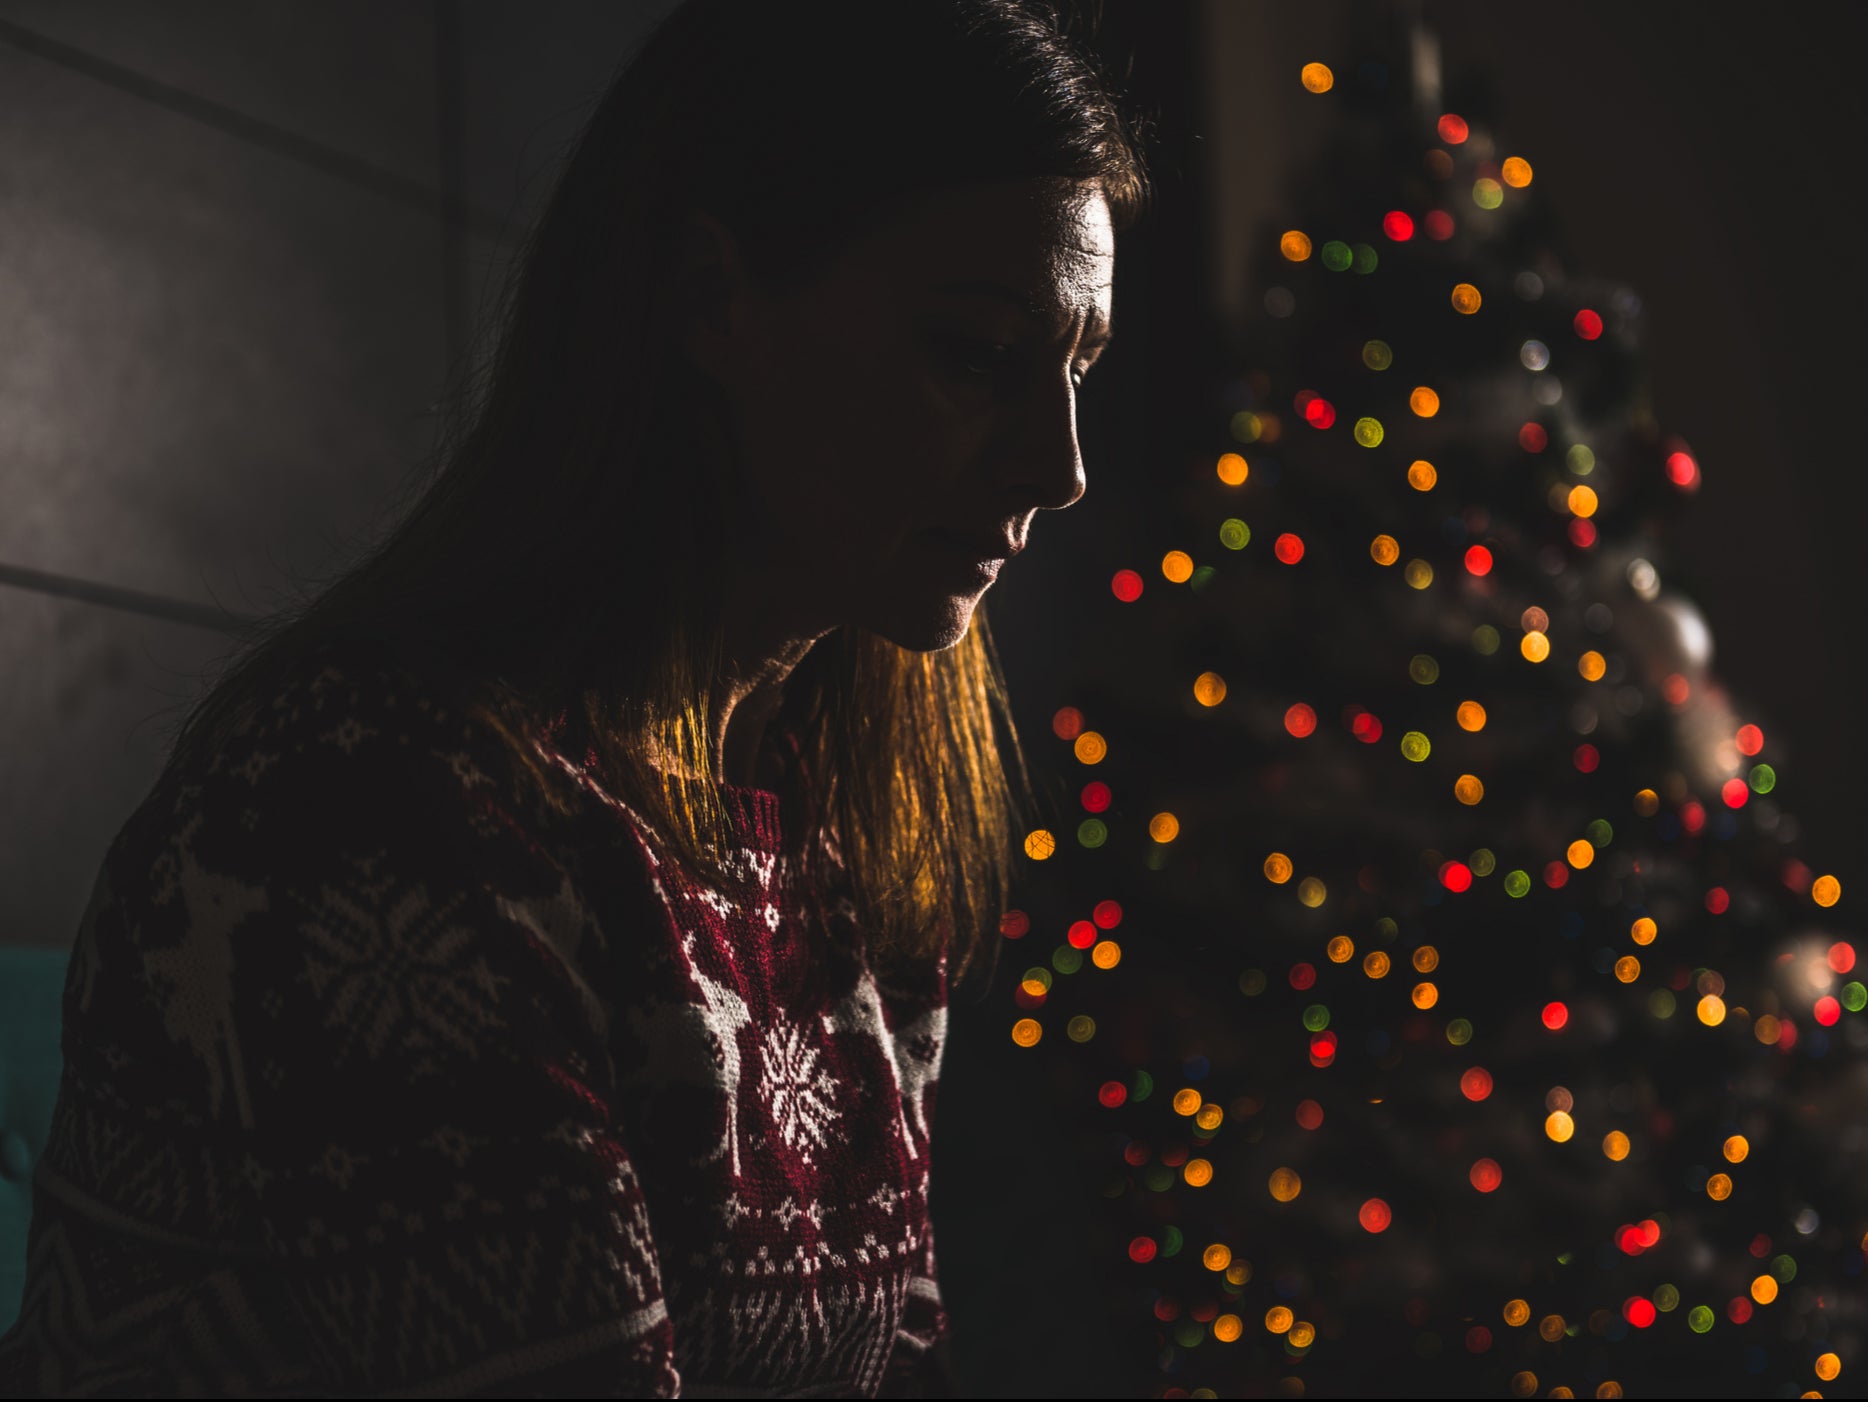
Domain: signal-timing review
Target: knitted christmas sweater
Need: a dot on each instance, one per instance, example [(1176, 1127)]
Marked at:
[(380, 1081)]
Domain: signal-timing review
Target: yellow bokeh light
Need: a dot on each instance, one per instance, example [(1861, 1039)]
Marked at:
[(1591, 666), (1559, 1126), (1080, 1028), (1424, 402), (1711, 1010), (1468, 789), (1627, 969), (1425, 995), (1311, 892), (1278, 1319), (1232, 469), (1535, 647), (1421, 475), (1609, 1389), (1384, 550), (1164, 827), (1825, 890), (1419, 574), (1285, 1184), (1582, 852), (1177, 566), (1582, 500), (1040, 844), (1643, 930), (1106, 955), (1719, 1187), (1228, 1327), (1517, 1313), (1198, 1173), (1295, 245), (1186, 1101), (1615, 1145), (1375, 964), (1210, 1116), (1470, 715), (1515, 172), (1828, 1367), (1764, 1289), (1090, 747), (1341, 949), (1466, 299), (1278, 868), (1550, 1328), (1317, 77), (1646, 802), (1239, 1272), (1026, 1032), (1209, 688), (1524, 1383), (1736, 1148), (1426, 959), (1303, 1334)]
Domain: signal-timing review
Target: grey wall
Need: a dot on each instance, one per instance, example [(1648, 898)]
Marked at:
[(229, 293)]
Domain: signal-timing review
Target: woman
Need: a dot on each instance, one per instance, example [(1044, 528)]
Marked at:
[(529, 975)]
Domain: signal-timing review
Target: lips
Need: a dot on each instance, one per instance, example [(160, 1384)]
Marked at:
[(978, 547)]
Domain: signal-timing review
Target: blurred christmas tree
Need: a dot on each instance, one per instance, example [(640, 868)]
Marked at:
[(1425, 942)]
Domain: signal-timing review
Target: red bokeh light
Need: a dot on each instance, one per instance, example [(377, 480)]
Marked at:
[(1478, 560), (1013, 924), (1375, 1216), (1452, 128), (1588, 325), (1289, 548), (1439, 225), (1586, 758), (1476, 1083), (1398, 225), (1142, 1249), (1126, 586), (1486, 1175), (1718, 900), (1735, 792), (1096, 796), (1081, 935), (1556, 1016), (1456, 876), (1309, 1114), (1750, 739), (1300, 720), (1533, 438), (1112, 1093), (1303, 976), (1639, 1311)]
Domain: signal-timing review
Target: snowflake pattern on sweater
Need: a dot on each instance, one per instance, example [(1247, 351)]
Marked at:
[(376, 1084)]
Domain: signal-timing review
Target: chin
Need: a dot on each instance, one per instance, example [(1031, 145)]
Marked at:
[(932, 629)]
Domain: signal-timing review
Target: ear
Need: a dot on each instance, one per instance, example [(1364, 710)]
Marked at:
[(702, 297)]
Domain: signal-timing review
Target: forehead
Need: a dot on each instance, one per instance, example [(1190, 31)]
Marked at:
[(1049, 240)]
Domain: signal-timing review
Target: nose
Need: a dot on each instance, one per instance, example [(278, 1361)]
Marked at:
[(1054, 459)]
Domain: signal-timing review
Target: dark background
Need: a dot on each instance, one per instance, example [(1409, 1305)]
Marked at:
[(242, 243)]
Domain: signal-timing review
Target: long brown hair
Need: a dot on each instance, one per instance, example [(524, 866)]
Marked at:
[(558, 547)]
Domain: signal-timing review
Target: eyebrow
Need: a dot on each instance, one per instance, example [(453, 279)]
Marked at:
[(1099, 336)]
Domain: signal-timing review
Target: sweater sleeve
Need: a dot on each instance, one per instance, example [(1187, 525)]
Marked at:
[(373, 1045)]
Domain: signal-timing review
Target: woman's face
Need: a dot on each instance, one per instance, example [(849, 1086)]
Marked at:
[(926, 383)]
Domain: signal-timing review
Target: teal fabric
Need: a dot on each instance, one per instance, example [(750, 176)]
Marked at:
[(32, 983)]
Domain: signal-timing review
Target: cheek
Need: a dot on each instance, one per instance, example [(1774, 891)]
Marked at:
[(856, 452)]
